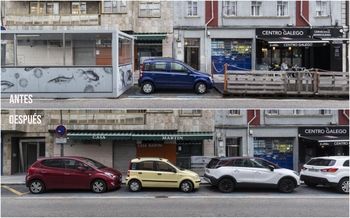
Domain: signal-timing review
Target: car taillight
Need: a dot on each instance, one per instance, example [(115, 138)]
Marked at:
[(30, 170), (141, 70), (128, 175), (329, 170), (303, 168)]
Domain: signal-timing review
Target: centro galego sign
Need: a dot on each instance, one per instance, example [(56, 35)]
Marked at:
[(318, 131)]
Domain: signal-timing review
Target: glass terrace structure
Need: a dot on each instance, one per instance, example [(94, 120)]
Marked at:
[(66, 64)]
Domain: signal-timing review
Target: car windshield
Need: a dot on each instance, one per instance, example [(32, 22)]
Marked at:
[(212, 164), (321, 162), (94, 163)]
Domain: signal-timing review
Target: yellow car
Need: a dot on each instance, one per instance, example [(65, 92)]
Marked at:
[(159, 173)]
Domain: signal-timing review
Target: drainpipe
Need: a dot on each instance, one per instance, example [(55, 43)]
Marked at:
[(301, 14), (205, 35), (248, 131), (344, 113)]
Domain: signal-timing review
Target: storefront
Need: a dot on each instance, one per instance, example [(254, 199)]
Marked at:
[(121, 147), (299, 46), (323, 141)]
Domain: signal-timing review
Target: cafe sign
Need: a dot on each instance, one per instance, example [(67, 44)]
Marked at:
[(319, 131), (284, 32)]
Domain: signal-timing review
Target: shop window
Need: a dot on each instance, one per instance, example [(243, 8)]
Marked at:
[(114, 6), (229, 8), (325, 112), (37, 8), (256, 8), (78, 7), (149, 9), (282, 8), (322, 8), (192, 8), (234, 112), (298, 112), (273, 146)]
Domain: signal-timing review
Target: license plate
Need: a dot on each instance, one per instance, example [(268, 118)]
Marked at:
[(313, 170)]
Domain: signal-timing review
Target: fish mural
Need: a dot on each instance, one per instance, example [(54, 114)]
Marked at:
[(61, 79), (6, 85), (89, 75)]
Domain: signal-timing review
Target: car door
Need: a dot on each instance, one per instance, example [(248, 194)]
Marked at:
[(53, 173), (146, 173), (242, 171), (75, 178), (263, 176), (166, 175), (181, 76), (160, 74)]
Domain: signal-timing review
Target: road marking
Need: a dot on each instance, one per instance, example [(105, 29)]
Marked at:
[(14, 190), (140, 96)]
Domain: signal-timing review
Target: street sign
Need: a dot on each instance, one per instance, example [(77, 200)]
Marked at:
[(61, 130), (61, 140)]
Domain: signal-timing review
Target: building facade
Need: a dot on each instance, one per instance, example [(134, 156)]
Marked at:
[(288, 138), (112, 137), (209, 34)]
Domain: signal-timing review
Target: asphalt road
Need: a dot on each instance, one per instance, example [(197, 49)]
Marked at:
[(206, 201)]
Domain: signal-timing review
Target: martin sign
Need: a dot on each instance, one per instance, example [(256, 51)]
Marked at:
[(172, 138)]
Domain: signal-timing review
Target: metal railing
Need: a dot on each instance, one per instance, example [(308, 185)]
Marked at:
[(52, 19)]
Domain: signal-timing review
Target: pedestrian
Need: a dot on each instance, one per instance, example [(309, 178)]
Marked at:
[(284, 65)]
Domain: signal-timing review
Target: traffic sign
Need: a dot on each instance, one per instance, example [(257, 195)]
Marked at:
[(3, 28), (61, 130)]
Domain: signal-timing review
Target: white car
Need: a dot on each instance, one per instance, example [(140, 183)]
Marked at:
[(332, 171), (228, 173)]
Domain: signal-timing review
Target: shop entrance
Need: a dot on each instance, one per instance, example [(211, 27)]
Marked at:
[(29, 151)]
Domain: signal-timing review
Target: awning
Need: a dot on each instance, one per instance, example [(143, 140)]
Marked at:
[(179, 136), (149, 36), (293, 42), (99, 135), (329, 140)]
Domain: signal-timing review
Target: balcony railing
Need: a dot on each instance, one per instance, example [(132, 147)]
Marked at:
[(52, 19), (101, 118)]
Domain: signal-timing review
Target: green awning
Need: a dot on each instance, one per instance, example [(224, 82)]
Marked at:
[(178, 136), (99, 136), (149, 36)]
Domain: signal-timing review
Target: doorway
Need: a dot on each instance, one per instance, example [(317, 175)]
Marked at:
[(192, 53), (29, 151)]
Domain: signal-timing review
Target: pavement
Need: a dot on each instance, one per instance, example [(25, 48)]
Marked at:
[(19, 179)]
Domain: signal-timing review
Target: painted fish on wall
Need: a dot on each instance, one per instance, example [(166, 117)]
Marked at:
[(89, 75), (61, 79), (6, 85)]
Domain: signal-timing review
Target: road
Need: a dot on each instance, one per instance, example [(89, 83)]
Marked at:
[(206, 201)]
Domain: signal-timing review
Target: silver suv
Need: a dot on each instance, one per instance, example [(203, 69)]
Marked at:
[(332, 171), (228, 173)]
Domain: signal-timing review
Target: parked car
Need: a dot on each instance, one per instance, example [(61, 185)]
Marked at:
[(228, 173), (332, 171), (70, 172), (159, 173), (169, 73)]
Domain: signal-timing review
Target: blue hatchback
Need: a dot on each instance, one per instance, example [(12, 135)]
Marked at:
[(169, 73)]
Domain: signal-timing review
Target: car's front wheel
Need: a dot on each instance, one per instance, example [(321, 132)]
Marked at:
[(36, 187), (286, 186), (186, 186), (98, 186), (226, 185), (310, 184), (147, 87), (134, 186), (343, 186), (200, 88)]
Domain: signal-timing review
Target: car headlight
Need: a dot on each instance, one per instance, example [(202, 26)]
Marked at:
[(110, 175), (197, 176), (296, 173)]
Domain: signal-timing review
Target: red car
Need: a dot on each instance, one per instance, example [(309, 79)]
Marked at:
[(71, 172)]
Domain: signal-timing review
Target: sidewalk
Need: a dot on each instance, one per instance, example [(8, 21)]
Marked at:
[(19, 179)]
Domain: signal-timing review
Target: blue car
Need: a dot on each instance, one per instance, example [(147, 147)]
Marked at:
[(169, 73)]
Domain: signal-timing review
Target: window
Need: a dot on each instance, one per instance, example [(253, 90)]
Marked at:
[(150, 9), (161, 166), (192, 8), (256, 5), (272, 112), (176, 67), (321, 8), (260, 163), (282, 8), (298, 112), (190, 112), (155, 66), (78, 7), (114, 6), (234, 112), (229, 8), (44, 8), (325, 112), (56, 163)]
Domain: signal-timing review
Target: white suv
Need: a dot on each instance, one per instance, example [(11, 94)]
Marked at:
[(228, 173), (332, 171)]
